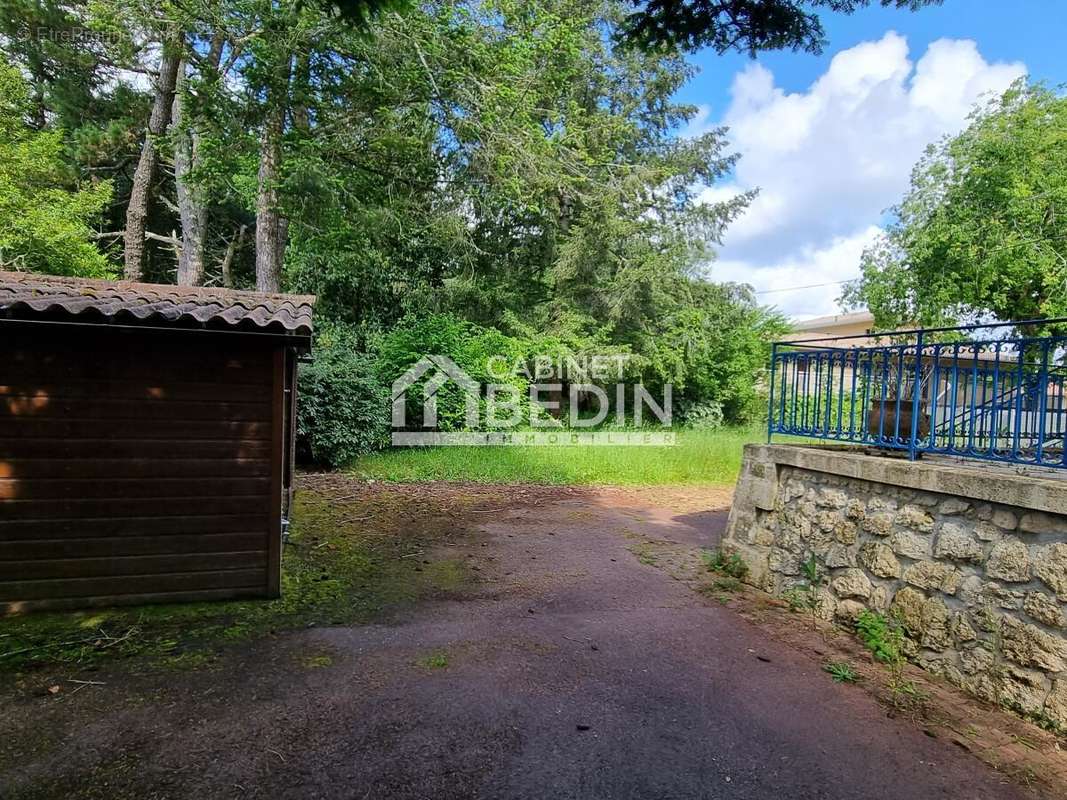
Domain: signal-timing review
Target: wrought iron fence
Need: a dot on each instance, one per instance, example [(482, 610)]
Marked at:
[(975, 391)]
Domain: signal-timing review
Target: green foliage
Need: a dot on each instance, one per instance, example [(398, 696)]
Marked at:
[(714, 347), (703, 416), (438, 660), (883, 638), (751, 26), (729, 564), (807, 595), (45, 213), (841, 672), (344, 406), (503, 170), (484, 354), (980, 232)]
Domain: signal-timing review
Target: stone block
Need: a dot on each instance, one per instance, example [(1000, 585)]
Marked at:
[(783, 561), (1029, 646), (879, 523), (907, 606), (1022, 688), (986, 531), (935, 625), (1009, 560), (975, 660), (852, 583), (1050, 565), (1040, 522), (961, 629), (879, 599), (879, 560), (845, 531), (831, 498), (915, 518), (1044, 609), (933, 575), (1004, 519), (876, 504), (956, 542), (838, 555), (827, 521), (952, 506), (848, 611), (905, 543)]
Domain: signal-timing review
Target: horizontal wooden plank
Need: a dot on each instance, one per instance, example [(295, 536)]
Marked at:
[(171, 563), (143, 449), (11, 608), (142, 468), (52, 509), (17, 489), (14, 591), (40, 407), (98, 354), (12, 530), (154, 430), (109, 546), (172, 387)]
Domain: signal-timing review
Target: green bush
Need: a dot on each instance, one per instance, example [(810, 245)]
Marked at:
[(343, 410), (707, 416), (882, 638), (481, 353)]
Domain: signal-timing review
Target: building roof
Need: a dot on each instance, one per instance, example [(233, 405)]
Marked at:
[(829, 323), (26, 295)]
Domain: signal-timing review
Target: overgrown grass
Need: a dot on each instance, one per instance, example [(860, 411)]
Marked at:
[(696, 457)]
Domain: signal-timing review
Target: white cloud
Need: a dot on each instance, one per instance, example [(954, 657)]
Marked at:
[(821, 268), (830, 160)]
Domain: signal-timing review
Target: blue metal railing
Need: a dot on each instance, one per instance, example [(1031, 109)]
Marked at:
[(975, 391)]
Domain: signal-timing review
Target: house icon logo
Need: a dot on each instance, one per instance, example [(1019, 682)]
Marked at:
[(444, 370)]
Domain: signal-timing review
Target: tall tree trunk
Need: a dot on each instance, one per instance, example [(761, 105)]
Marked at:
[(192, 202), (231, 251), (269, 243), (137, 210)]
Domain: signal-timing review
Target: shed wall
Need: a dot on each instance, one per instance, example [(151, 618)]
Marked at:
[(138, 466)]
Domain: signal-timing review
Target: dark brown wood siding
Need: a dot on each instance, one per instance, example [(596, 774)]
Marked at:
[(138, 466)]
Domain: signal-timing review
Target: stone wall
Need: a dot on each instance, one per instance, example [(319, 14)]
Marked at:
[(970, 558)]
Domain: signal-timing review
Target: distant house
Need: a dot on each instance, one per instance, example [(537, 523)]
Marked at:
[(856, 324)]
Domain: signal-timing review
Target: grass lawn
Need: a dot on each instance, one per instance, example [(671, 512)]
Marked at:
[(697, 457)]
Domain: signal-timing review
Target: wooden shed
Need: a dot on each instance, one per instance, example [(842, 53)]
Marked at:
[(145, 440)]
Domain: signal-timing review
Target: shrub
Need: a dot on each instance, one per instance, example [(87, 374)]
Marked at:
[(343, 409), (880, 637), (726, 563), (479, 352), (706, 416)]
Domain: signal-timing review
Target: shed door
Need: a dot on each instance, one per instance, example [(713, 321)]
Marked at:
[(137, 466)]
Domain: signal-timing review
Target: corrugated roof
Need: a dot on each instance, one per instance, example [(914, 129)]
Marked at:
[(26, 295)]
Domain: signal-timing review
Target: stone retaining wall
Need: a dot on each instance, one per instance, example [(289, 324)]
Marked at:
[(971, 559)]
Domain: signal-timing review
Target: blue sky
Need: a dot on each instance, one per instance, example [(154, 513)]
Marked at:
[(830, 139)]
